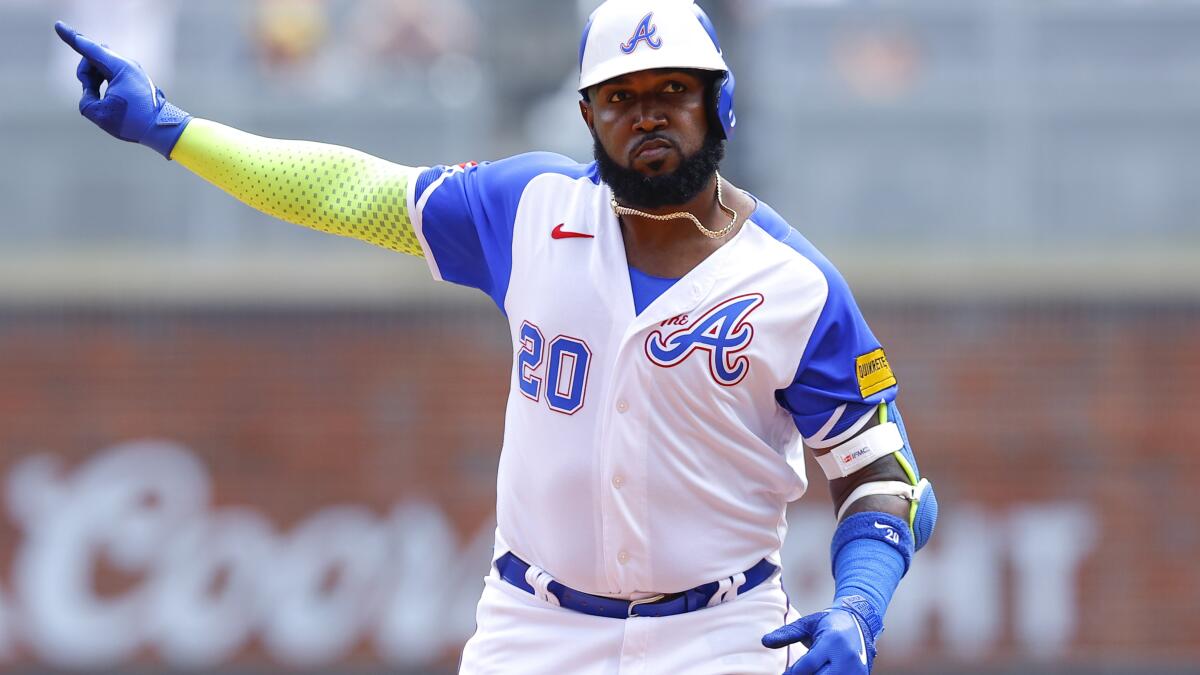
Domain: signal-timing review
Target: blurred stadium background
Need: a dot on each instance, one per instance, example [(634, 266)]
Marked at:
[(231, 445)]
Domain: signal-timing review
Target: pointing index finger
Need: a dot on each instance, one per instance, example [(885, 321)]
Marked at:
[(67, 35), (104, 59), (65, 32)]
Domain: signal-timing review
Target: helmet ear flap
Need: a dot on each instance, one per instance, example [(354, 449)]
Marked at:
[(723, 84), (720, 97), (725, 114)]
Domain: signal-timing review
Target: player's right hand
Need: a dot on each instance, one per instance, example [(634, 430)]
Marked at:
[(132, 108)]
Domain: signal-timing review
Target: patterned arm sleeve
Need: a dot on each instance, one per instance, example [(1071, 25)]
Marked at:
[(323, 187)]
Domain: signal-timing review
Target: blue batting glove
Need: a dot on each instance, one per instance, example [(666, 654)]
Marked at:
[(840, 640), (132, 108)]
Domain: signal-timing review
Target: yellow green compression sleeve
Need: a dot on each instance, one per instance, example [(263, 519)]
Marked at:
[(324, 187)]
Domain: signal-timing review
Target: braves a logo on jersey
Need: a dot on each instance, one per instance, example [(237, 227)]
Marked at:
[(645, 31), (722, 332)]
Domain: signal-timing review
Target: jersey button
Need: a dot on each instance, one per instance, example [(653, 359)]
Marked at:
[(618, 482), (623, 557), (622, 405)]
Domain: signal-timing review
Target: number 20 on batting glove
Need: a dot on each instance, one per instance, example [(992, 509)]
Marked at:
[(840, 640), (132, 108)]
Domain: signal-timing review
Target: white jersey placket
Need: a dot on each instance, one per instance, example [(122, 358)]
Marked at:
[(625, 438)]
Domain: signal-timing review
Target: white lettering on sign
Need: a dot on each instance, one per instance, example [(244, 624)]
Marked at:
[(958, 582), (1054, 545), (209, 580)]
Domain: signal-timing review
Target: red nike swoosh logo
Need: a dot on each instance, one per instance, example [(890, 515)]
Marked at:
[(559, 233)]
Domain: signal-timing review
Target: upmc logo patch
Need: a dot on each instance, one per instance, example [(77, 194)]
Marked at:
[(722, 332), (645, 31)]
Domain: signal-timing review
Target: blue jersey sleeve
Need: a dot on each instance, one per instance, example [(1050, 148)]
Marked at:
[(464, 217), (843, 375)]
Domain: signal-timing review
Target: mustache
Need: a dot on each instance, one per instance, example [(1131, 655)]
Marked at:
[(634, 189), (652, 136)]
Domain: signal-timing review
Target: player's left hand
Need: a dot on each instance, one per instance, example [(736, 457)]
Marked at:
[(839, 642)]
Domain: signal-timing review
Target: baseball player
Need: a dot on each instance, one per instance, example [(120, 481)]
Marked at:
[(676, 346)]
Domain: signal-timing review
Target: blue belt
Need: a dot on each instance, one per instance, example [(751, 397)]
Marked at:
[(512, 569)]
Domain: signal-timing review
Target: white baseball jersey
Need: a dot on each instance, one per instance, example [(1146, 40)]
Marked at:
[(648, 452)]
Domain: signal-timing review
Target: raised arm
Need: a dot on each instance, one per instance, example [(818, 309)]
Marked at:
[(324, 187)]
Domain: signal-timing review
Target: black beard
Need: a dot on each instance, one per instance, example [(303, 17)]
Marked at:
[(651, 192)]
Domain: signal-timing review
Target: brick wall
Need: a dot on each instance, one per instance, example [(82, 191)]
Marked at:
[(290, 412)]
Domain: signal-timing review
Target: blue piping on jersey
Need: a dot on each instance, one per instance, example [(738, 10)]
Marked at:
[(469, 218), (825, 376)]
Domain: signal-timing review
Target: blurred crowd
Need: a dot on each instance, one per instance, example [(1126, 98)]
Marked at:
[(340, 43), (336, 51), (345, 43), (1008, 116)]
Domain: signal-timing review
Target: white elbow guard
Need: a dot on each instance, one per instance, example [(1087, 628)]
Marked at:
[(923, 514), (854, 454)]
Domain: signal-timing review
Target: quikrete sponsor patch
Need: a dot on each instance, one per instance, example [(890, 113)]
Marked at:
[(874, 373)]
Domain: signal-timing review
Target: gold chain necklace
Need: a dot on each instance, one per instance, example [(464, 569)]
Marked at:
[(711, 234)]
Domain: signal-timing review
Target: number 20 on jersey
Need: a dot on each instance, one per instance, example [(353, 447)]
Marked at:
[(565, 375)]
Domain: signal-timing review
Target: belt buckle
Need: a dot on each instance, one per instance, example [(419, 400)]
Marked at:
[(644, 601)]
